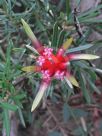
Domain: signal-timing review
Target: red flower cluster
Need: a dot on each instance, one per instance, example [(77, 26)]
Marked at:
[(51, 65)]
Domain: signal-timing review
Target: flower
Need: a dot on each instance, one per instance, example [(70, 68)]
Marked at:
[(52, 65)]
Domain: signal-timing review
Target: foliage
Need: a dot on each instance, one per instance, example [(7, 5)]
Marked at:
[(52, 25)]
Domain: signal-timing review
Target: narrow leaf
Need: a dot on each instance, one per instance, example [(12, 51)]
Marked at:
[(39, 96), (67, 43), (21, 117), (6, 122), (68, 82), (93, 87), (31, 69), (28, 30), (72, 80), (31, 35), (8, 106), (8, 61), (83, 56), (55, 35), (32, 49), (66, 112), (83, 87), (89, 12), (68, 9), (61, 38), (80, 48)]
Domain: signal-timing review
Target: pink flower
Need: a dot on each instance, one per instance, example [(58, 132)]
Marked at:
[(40, 60), (52, 65)]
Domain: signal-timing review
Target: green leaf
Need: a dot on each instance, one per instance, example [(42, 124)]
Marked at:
[(39, 96), (93, 87), (21, 117), (30, 69), (55, 35), (66, 112), (92, 74), (32, 49), (66, 90), (7, 69), (93, 20), (86, 13), (20, 96), (2, 67), (47, 6), (28, 30), (61, 38), (18, 49), (68, 9), (83, 87), (81, 64), (80, 48), (67, 43), (49, 91), (8, 106), (72, 80), (6, 121), (68, 82), (97, 70), (84, 57), (82, 40)]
